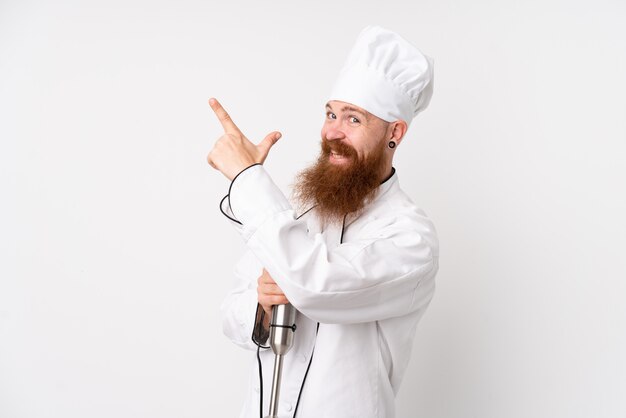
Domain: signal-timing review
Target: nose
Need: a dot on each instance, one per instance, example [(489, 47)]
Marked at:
[(332, 131)]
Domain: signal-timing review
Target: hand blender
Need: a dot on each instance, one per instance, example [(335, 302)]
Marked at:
[(282, 328)]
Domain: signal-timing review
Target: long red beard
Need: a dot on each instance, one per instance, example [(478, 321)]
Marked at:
[(337, 190)]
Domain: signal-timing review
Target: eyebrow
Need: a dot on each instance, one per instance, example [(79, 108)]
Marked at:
[(350, 108)]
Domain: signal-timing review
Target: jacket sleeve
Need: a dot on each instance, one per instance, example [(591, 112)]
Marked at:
[(388, 271), (240, 309)]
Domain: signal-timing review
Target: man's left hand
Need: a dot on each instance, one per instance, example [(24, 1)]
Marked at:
[(233, 152)]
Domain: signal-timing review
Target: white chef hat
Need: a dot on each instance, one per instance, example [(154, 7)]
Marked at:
[(385, 75)]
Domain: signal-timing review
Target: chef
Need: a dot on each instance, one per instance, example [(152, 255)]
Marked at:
[(352, 252)]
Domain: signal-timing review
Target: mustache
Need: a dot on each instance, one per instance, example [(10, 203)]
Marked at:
[(337, 146)]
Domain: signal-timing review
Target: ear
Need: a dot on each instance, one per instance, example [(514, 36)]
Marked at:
[(398, 129)]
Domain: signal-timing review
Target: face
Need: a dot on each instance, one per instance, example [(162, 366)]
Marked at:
[(350, 131), (353, 161)]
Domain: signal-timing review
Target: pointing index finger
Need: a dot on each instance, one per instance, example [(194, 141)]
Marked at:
[(223, 116)]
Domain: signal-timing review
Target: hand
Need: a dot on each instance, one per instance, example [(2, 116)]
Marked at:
[(269, 294), (233, 152)]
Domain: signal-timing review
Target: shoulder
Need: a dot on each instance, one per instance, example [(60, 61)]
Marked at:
[(393, 215)]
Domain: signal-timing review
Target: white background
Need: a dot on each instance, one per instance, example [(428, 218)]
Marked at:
[(114, 257)]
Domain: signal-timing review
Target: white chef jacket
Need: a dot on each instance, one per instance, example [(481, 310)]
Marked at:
[(367, 283)]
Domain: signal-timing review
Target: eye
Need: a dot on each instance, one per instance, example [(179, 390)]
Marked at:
[(354, 120), (331, 115)]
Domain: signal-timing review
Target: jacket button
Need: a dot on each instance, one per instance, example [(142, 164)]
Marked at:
[(302, 358), (256, 389), (288, 407)]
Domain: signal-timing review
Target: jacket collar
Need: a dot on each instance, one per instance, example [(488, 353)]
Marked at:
[(387, 184)]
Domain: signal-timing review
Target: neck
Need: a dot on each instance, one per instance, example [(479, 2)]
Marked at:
[(387, 171)]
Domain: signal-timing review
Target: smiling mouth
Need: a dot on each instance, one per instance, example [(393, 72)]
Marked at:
[(337, 157)]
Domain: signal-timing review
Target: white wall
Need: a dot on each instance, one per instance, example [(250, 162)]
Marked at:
[(114, 258)]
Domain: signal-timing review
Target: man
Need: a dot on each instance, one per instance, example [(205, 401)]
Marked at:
[(356, 258)]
